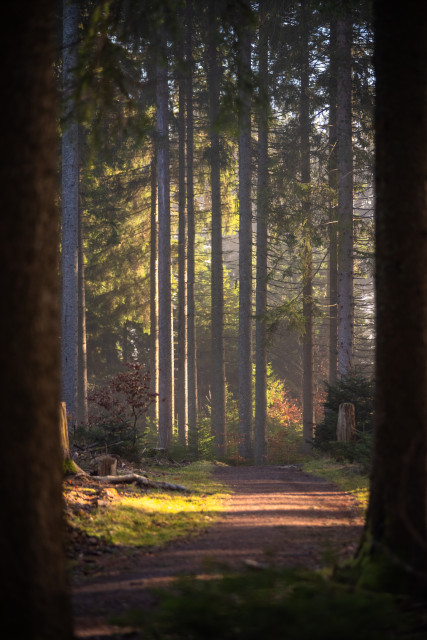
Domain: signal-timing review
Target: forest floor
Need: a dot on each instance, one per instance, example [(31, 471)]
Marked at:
[(275, 516)]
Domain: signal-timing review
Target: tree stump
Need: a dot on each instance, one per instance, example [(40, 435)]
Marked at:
[(346, 427), (63, 427), (107, 466)]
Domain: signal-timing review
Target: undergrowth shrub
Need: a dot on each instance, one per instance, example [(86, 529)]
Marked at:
[(283, 428), (117, 422)]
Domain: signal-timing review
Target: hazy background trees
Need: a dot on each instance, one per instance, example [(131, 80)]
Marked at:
[(249, 108)]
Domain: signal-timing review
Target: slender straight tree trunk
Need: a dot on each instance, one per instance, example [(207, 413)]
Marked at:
[(34, 602), (82, 405), (245, 247), (164, 259), (218, 419), (396, 531), (182, 369), (345, 194), (333, 220), (307, 253), (154, 297), (261, 249), (70, 214), (191, 237)]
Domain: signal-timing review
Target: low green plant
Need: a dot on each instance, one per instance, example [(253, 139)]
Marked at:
[(272, 604)]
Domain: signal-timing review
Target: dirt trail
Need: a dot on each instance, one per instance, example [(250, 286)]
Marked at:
[(277, 516)]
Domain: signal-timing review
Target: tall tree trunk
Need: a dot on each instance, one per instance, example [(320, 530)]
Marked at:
[(191, 236), (261, 249), (345, 194), (396, 531), (245, 246), (218, 413), (70, 213), (82, 402), (154, 284), (182, 369), (34, 603), (307, 253), (164, 259), (333, 183)]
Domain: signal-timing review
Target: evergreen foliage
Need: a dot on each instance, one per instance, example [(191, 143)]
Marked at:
[(358, 390)]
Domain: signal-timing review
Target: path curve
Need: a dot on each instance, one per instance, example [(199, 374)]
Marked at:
[(276, 516)]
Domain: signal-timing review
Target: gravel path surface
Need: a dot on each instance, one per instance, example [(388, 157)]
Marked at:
[(276, 516)]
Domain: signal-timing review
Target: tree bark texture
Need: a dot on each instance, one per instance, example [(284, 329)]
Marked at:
[(164, 253), (191, 239), (245, 246), (333, 220), (396, 524), (345, 194), (307, 252), (34, 602), (218, 413), (260, 447), (70, 213), (182, 364)]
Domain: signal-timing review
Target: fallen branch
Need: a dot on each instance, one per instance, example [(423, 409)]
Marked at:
[(141, 481)]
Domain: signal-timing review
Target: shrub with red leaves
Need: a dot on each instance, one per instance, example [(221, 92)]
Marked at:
[(124, 400)]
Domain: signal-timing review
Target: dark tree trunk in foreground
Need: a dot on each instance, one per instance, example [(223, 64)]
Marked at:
[(395, 536), (261, 250), (307, 252), (70, 214), (164, 260), (345, 193), (245, 247), (218, 424), (34, 600)]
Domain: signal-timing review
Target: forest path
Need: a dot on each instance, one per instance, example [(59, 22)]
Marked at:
[(276, 516)]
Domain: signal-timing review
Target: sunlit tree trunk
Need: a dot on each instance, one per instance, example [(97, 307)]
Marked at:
[(154, 298), (394, 549), (307, 253), (191, 238), (261, 250), (182, 367), (164, 252), (332, 183), (345, 194), (218, 421), (70, 213), (82, 404), (245, 246), (34, 602)]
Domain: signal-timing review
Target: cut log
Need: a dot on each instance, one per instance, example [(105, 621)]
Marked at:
[(141, 481), (346, 427), (107, 466)]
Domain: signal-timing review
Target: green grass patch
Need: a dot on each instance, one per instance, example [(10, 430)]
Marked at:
[(274, 605), (156, 517), (348, 477)]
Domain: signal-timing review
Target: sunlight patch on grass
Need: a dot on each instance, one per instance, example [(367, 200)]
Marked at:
[(345, 475), (157, 517)]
